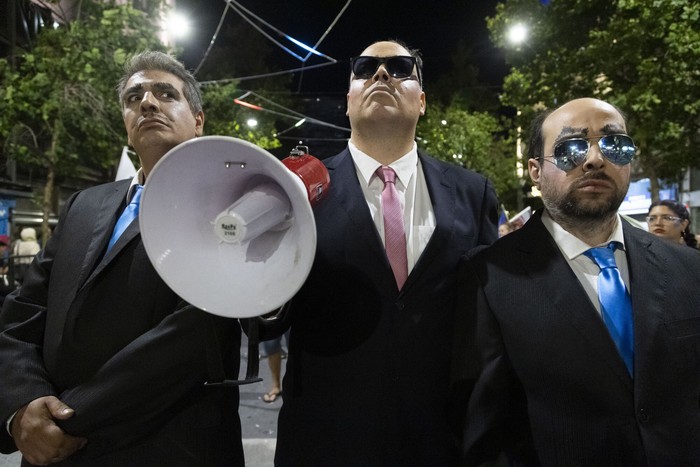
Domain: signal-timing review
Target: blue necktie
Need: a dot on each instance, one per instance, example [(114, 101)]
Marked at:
[(615, 302), (130, 213)]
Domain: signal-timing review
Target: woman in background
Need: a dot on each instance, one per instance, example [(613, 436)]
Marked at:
[(670, 219)]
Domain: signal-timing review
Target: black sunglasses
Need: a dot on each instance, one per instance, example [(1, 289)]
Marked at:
[(569, 154), (399, 66)]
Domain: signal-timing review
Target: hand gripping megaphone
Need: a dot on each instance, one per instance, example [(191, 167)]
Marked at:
[(229, 227)]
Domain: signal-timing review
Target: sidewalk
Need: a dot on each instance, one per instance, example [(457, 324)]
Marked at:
[(258, 419)]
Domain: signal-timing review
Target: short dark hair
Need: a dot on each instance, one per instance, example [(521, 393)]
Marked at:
[(535, 140), (415, 53), (681, 212), (154, 60)]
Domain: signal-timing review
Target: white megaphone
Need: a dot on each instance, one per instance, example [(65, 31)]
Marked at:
[(229, 227)]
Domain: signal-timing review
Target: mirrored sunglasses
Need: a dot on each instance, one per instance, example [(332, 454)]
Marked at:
[(569, 154), (399, 66)]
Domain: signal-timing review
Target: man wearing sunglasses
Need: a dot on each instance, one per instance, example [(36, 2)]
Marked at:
[(588, 329), (368, 366)]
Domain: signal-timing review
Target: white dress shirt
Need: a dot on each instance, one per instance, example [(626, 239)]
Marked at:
[(585, 269), (418, 214)]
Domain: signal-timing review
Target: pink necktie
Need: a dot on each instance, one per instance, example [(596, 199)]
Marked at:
[(394, 234)]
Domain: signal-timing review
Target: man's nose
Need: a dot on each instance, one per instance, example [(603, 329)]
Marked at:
[(594, 159), (382, 73), (149, 102)]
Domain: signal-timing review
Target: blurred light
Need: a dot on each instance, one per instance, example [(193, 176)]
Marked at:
[(304, 46), (444, 122), (177, 25), (247, 104), (517, 34), (251, 122), (300, 122)]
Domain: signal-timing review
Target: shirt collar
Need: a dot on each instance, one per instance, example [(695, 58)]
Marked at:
[(139, 179), (570, 245), (404, 167)]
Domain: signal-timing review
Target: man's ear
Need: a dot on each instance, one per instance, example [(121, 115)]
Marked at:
[(199, 123), (534, 168)]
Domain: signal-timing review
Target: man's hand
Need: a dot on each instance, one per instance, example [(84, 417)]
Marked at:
[(38, 437)]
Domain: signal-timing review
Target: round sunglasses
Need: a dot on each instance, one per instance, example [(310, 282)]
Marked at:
[(570, 153), (398, 66)]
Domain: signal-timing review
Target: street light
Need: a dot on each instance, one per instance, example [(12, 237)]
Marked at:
[(174, 26), (517, 34)]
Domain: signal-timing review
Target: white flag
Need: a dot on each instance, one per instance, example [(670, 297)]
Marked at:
[(126, 168)]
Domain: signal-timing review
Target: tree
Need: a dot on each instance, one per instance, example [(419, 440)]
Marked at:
[(224, 117), (60, 109), (640, 55), (473, 140)]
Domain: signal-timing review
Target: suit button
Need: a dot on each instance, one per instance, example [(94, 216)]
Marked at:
[(642, 415), (400, 305)]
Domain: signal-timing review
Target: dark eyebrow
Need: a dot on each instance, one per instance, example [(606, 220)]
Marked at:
[(612, 129), (133, 89), (162, 86), (159, 86), (568, 132)]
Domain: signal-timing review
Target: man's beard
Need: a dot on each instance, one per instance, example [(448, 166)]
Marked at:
[(572, 207)]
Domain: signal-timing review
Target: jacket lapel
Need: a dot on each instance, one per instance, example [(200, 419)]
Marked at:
[(345, 190), (442, 196), (650, 274), (106, 220), (102, 216), (563, 293)]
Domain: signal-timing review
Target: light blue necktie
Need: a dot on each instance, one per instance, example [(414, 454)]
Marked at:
[(615, 302), (130, 213)]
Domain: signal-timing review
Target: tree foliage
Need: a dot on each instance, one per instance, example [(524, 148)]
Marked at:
[(224, 117), (641, 55), (60, 109), (473, 140)]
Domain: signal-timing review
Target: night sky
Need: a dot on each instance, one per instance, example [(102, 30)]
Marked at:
[(434, 27)]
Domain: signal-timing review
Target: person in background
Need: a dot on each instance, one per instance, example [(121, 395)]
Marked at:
[(23, 252), (5, 285), (504, 229), (367, 374), (670, 220), (587, 329), (272, 349), (102, 363)]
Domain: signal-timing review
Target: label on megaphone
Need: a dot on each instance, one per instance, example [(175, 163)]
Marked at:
[(264, 207), (311, 171)]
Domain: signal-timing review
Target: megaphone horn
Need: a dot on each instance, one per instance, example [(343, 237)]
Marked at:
[(229, 227)]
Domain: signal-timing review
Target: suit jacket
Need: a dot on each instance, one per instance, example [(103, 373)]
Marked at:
[(368, 369), (553, 390), (103, 333)]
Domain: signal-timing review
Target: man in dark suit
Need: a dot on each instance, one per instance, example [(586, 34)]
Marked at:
[(583, 364), (101, 363), (368, 370)]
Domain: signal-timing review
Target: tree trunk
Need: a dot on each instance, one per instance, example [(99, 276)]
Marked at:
[(653, 185), (46, 204), (47, 201)]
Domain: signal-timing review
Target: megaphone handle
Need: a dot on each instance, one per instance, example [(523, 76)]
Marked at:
[(215, 364)]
